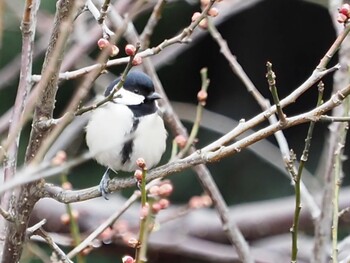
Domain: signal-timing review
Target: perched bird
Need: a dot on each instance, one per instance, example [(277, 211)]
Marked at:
[(127, 128)]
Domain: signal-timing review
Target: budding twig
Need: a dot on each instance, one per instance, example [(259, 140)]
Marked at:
[(202, 96), (338, 159), (107, 223), (151, 24), (271, 79), (39, 231), (264, 104), (111, 96), (297, 180)]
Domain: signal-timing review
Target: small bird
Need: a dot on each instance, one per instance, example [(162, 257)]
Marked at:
[(127, 128)]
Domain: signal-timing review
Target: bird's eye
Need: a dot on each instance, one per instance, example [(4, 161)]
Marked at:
[(136, 91)]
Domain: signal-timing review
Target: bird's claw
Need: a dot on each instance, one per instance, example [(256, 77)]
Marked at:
[(103, 186)]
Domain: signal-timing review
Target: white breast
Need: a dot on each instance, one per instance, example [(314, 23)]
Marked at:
[(149, 142), (109, 128), (107, 132)]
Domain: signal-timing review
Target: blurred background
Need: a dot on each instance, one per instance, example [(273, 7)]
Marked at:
[(294, 35)]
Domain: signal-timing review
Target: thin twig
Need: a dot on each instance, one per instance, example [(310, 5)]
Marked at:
[(103, 11), (39, 231), (100, 17), (196, 123), (297, 180), (87, 241), (28, 34), (141, 247), (180, 38), (31, 230), (59, 252), (338, 157), (109, 221), (326, 118), (265, 105), (151, 24), (271, 79), (44, 170), (323, 224), (73, 225)]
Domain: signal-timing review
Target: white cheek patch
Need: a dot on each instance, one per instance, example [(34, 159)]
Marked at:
[(126, 97)]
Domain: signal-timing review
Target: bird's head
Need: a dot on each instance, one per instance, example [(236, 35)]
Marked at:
[(138, 89)]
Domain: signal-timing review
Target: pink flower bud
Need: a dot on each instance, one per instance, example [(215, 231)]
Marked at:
[(67, 186), (75, 214), (203, 24), (165, 190), (207, 201), (164, 203), (202, 96), (102, 43), (154, 190), (60, 158), (180, 140), (121, 226), (128, 259), (137, 60), (213, 12), (138, 175), (106, 234), (130, 49), (140, 162), (341, 18), (195, 16), (156, 207), (144, 211), (86, 251), (114, 51), (345, 9), (195, 202), (133, 242), (65, 219)]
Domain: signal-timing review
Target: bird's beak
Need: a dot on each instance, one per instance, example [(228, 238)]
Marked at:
[(154, 96)]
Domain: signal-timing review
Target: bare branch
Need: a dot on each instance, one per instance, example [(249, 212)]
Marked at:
[(151, 24)]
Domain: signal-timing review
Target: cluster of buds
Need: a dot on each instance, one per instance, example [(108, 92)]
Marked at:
[(138, 175), (160, 193), (107, 235), (130, 50), (165, 189), (344, 13), (141, 163), (103, 43), (122, 230), (213, 12)]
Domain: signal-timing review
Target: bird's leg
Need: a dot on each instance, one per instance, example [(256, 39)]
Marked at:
[(103, 187)]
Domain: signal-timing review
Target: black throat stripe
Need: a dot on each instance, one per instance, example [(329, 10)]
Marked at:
[(128, 145)]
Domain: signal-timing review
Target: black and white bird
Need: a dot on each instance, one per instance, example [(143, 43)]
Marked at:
[(127, 128)]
